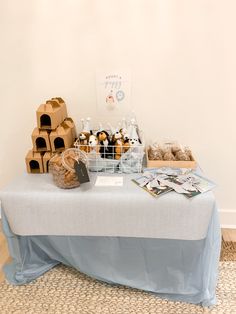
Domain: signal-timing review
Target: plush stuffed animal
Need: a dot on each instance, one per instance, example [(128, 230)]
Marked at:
[(116, 142), (118, 147), (134, 142), (93, 143), (134, 139), (116, 134), (84, 135), (84, 141), (126, 145), (125, 136), (105, 143)]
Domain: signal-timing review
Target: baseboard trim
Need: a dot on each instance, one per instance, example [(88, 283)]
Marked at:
[(228, 218)]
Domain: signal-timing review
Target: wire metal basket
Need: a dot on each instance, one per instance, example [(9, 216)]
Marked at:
[(126, 159)]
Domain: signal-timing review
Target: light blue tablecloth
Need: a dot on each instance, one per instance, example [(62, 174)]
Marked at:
[(184, 270), (33, 206)]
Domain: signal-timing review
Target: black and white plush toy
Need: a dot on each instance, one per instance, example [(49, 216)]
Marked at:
[(105, 143), (134, 139)]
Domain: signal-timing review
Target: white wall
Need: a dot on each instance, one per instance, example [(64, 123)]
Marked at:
[(182, 54)]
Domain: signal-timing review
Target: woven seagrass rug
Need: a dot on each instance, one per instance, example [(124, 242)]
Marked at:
[(64, 290), (228, 251)]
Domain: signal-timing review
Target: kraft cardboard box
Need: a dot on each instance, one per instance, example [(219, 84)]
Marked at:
[(51, 114), (64, 136), (55, 133), (61, 138), (34, 162), (71, 124), (61, 103), (46, 157), (40, 140)]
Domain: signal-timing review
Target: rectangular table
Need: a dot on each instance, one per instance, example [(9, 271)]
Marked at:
[(121, 235)]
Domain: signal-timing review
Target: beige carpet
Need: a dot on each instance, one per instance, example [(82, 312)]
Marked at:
[(64, 290)]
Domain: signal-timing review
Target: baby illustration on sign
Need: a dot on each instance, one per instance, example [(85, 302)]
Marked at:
[(110, 100)]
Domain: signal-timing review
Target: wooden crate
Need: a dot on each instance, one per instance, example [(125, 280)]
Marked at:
[(170, 163)]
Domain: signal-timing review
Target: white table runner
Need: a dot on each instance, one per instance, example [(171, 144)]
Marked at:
[(35, 206)]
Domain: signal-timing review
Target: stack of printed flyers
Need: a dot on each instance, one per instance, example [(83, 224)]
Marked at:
[(158, 181)]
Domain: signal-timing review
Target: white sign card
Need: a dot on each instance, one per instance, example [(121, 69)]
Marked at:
[(109, 181)]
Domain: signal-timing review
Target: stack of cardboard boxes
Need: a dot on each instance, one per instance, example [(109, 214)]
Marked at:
[(54, 133)]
